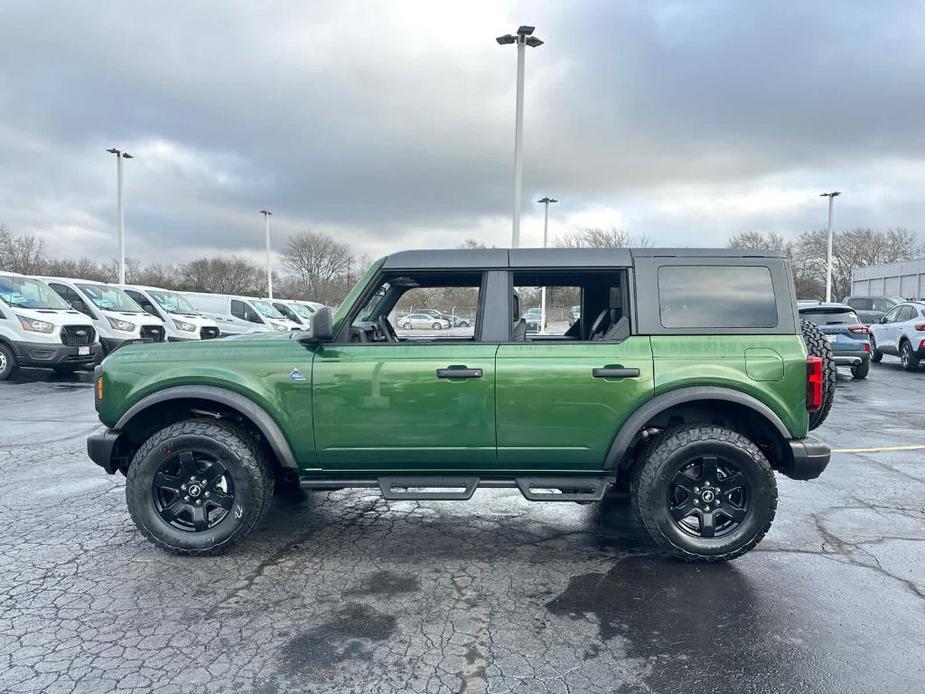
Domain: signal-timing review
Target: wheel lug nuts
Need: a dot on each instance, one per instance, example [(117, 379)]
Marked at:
[(207, 495), (183, 486), (696, 490), (185, 498), (706, 484), (697, 501)]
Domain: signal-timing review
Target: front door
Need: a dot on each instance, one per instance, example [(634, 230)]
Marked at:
[(393, 398)]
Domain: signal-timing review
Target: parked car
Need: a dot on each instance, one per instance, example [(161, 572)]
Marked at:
[(118, 319), (234, 315), (38, 328), (413, 321), (454, 320), (871, 309), (534, 318), (901, 332), (180, 318), (692, 388), (847, 336)]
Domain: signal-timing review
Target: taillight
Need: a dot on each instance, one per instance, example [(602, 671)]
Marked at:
[(920, 326), (813, 383), (866, 346), (863, 329)]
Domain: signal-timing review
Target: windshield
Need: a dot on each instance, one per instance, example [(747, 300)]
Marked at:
[(173, 303), (301, 310), (25, 292), (110, 298), (267, 310)]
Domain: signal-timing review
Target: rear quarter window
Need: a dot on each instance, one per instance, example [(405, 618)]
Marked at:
[(716, 296)]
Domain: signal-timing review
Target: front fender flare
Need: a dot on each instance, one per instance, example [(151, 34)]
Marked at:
[(627, 433), (250, 409)]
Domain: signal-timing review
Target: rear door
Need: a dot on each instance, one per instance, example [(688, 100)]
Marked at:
[(561, 395)]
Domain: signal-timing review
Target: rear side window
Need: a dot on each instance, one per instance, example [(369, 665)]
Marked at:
[(861, 304), (702, 296)]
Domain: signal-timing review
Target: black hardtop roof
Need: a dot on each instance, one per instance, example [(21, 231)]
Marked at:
[(479, 258)]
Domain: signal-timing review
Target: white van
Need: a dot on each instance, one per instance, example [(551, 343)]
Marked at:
[(117, 318), (299, 312), (181, 319), (235, 315), (38, 328)]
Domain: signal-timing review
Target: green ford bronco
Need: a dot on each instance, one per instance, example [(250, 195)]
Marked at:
[(688, 380)]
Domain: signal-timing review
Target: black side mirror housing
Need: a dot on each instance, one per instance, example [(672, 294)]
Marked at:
[(79, 305), (321, 326)]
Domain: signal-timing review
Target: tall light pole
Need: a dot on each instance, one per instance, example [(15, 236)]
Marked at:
[(523, 38), (266, 216), (120, 155), (828, 266), (545, 202)]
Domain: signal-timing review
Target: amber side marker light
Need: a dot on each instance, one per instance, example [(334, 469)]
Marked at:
[(99, 387)]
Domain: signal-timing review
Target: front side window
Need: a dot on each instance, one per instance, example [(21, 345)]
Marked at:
[(722, 296), (906, 313), (25, 292), (418, 307), (892, 316), (267, 310)]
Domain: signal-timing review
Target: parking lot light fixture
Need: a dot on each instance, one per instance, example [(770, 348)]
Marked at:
[(266, 216), (828, 265), (523, 38), (546, 201), (120, 155)]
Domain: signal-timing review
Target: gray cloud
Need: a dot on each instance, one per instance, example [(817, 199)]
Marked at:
[(391, 124)]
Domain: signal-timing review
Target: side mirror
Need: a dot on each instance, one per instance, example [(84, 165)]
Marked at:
[(148, 308), (79, 305), (321, 326), (883, 319)]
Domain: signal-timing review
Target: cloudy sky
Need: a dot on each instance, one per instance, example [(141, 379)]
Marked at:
[(390, 124)]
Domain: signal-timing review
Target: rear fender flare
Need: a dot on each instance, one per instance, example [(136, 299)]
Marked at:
[(631, 427)]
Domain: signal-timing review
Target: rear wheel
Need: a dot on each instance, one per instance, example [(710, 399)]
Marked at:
[(198, 487), (860, 371), (8, 365), (907, 357), (705, 493), (817, 345)]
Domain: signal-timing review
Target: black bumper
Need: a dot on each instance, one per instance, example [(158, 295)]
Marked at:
[(51, 355), (809, 458), (100, 448)]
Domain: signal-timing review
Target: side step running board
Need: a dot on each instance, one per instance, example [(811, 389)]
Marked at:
[(562, 488), (428, 487)]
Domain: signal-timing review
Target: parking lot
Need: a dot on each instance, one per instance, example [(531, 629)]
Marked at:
[(341, 591)]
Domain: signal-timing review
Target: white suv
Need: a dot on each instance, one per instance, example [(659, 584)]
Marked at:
[(38, 328), (900, 332)]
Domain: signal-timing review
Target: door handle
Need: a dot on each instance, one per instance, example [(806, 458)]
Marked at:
[(614, 372), (461, 372)]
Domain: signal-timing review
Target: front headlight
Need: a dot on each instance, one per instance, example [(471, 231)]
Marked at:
[(183, 325), (121, 325), (36, 326)]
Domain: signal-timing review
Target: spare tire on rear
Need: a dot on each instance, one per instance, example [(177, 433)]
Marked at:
[(817, 345)]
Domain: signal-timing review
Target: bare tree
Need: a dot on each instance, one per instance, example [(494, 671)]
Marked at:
[(319, 263), (758, 241), (21, 252), (592, 237), (222, 275)]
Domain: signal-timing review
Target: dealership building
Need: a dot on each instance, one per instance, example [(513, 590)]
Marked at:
[(905, 279)]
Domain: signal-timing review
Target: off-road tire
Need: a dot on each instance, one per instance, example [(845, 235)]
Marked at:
[(673, 449), (239, 453), (8, 365), (907, 357), (861, 370), (876, 356), (818, 346)]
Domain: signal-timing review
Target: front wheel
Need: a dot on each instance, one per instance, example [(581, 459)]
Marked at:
[(436, 326), (705, 493), (907, 357), (861, 370), (875, 354), (8, 365), (198, 487)]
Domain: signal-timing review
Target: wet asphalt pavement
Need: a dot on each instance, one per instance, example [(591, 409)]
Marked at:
[(344, 592)]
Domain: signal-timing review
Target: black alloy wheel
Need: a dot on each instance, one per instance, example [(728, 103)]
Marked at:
[(709, 497), (193, 491)]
